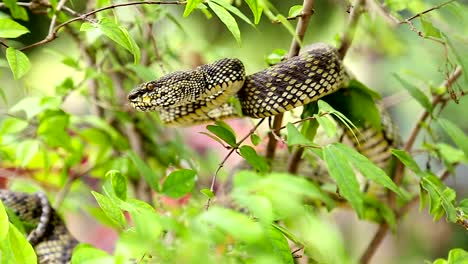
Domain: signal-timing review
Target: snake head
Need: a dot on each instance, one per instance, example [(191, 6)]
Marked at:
[(172, 90)]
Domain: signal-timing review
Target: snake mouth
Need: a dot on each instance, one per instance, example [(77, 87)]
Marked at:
[(141, 106)]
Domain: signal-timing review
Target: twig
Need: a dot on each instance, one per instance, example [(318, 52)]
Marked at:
[(301, 28), (221, 164), (395, 21), (58, 8), (416, 129), (427, 11), (53, 32), (348, 34), (398, 175)]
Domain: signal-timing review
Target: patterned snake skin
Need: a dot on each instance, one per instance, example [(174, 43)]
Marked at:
[(51, 240), (207, 92)]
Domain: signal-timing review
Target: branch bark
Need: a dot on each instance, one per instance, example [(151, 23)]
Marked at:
[(399, 172), (294, 49), (348, 34)]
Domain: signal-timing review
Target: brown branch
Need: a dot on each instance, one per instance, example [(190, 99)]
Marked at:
[(221, 164), (348, 35), (399, 172), (58, 8), (53, 33), (301, 28), (427, 11)]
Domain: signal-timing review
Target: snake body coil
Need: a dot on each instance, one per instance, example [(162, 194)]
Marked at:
[(50, 238), (205, 93)]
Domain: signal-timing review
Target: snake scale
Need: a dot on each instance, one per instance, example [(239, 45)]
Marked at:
[(206, 93), (210, 92), (50, 238)]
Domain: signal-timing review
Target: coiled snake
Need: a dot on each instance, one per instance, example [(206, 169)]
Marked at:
[(206, 93), (50, 238)]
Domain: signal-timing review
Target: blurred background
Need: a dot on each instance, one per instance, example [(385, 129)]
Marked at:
[(378, 52)]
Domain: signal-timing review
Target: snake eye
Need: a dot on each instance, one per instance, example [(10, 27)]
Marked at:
[(150, 86)]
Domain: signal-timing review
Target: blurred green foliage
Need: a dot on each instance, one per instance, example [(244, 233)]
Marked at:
[(67, 128)]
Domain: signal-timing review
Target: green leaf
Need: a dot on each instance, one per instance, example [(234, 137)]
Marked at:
[(148, 174), (53, 128), (224, 134), (12, 125), (26, 150), (450, 154), (358, 102), (179, 183), (328, 125), (119, 183), (236, 224), (110, 209), (455, 133), (440, 195), (429, 29), (295, 11), (279, 245), (3, 222), (227, 19), (18, 61), (21, 251), (190, 6), (255, 139), (460, 52), (17, 12), (87, 254), (408, 161), (256, 161), (457, 256), (120, 36), (276, 56), (417, 94), (233, 10), (344, 176), (296, 138), (207, 192), (367, 168), (256, 9), (11, 29)]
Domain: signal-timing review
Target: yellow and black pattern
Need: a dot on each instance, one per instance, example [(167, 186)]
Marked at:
[(50, 238), (292, 83), (189, 97), (200, 95)]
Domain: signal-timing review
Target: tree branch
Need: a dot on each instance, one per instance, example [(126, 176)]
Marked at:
[(399, 172), (231, 151), (348, 35), (54, 30), (301, 28)]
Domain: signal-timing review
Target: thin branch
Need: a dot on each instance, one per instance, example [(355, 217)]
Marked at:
[(416, 129), (398, 175), (53, 33), (348, 34), (221, 164), (301, 28), (58, 8), (427, 11)]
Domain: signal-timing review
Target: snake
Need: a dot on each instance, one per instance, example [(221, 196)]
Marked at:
[(211, 92), (222, 89), (52, 241)]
